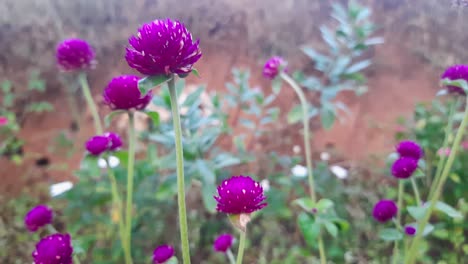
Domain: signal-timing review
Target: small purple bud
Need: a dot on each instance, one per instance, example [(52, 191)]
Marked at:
[(54, 249), (385, 210), (38, 217), (410, 230), (273, 67), (404, 167), (162, 254), (97, 145), (74, 54), (223, 243), (314, 210)]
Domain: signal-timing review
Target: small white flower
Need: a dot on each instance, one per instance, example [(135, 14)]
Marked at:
[(339, 171), (113, 162), (325, 156), (296, 149), (299, 171), (265, 185), (59, 188)]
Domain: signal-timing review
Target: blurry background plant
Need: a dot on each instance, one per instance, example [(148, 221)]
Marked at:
[(339, 66)]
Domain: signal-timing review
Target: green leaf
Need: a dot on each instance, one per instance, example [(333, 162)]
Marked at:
[(6, 86), (167, 189), (195, 72), (417, 212), (108, 118), (305, 203), (458, 83), (208, 191), (327, 116), (193, 97), (359, 66), (309, 228), (149, 82), (154, 116), (331, 228), (448, 210), (172, 260), (374, 41), (390, 234), (324, 204), (295, 115), (207, 175)]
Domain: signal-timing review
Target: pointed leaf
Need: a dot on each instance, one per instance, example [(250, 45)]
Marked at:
[(305, 203), (324, 204), (208, 191), (154, 116), (448, 210), (390, 234), (309, 228), (108, 118), (195, 72), (149, 82), (458, 83), (331, 228), (359, 66)]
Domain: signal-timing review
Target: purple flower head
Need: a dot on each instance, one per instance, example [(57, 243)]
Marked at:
[(74, 54), (163, 47), (240, 195), (54, 249), (98, 145), (223, 243), (38, 217), (404, 167), (456, 72), (122, 93), (385, 210), (273, 67), (115, 140), (162, 254), (410, 149), (410, 230)]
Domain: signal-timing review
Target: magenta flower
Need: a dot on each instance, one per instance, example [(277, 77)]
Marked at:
[(273, 67), (444, 152), (74, 54), (97, 145), (115, 140), (385, 210), (404, 167), (163, 47), (240, 195), (456, 72), (3, 121), (223, 243), (162, 254), (409, 149), (38, 217), (122, 93), (54, 249), (410, 230)]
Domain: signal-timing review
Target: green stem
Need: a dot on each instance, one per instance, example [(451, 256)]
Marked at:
[(180, 172), (399, 205), (308, 152), (416, 191), (230, 256), (445, 173), (89, 100), (118, 202), (240, 253), (130, 172)]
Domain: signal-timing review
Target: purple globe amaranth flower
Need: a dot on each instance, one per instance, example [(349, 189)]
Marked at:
[(162, 254), (456, 72), (410, 149), (404, 167), (38, 217), (74, 54), (385, 210), (273, 67), (223, 242), (97, 145), (115, 140), (54, 249), (163, 47), (240, 195), (122, 93), (410, 230)]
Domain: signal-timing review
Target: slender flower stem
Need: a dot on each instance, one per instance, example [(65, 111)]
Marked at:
[(89, 100), (240, 253), (117, 201), (180, 172), (230, 256), (308, 152), (416, 191), (130, 171), (445, 173), (399, 205)]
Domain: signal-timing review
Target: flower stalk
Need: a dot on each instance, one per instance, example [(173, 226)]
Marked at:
[(130, 174), (240, 253), (89, 100)]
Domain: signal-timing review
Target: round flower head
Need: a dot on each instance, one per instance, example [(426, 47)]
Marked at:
[(404, 167), (115, 141), (240, 195), (273, 67), (162, 254), (385, 210), (74, 54), (410, 230), (223, 243), (38, 217), (98, 145), (163, 47), (456, 72), (122, 93), (54, 249), (409, 149)]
